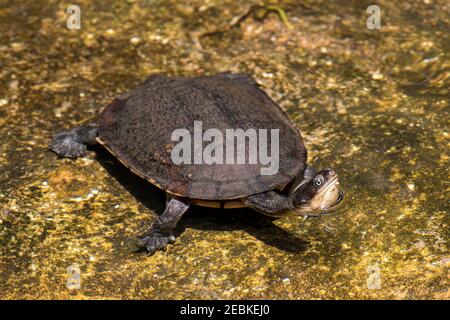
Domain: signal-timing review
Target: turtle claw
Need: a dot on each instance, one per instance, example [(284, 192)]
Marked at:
[(156, 240), (65, 145)]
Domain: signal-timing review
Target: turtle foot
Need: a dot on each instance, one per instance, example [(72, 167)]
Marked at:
[(156, 240), (65, 145), (72, 144)]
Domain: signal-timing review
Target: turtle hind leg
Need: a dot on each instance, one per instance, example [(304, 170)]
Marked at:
[(161, 231), (72, 144)]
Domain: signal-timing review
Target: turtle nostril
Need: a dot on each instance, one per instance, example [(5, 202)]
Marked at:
[(332, 173)]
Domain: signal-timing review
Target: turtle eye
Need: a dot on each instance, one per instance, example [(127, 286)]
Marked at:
[(318, 181)]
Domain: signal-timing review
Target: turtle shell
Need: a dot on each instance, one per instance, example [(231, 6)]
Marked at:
[(137, 128)]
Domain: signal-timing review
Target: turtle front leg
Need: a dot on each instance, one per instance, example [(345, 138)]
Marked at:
[(269, 203), (161, 231), (72, 144)]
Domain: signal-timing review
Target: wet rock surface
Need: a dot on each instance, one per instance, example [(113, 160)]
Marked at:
[(372, 104)]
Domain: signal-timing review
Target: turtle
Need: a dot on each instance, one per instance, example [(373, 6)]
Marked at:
[(138, 129)]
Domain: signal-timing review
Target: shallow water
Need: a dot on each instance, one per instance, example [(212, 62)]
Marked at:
[(372, 104)]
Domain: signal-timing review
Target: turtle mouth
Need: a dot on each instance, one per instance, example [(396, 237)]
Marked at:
[(329, 199), (336, 205)]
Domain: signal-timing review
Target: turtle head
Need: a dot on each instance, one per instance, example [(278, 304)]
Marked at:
[(317, 193)]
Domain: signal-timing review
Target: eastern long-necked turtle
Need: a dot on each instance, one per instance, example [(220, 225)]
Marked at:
[(138, 128)]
